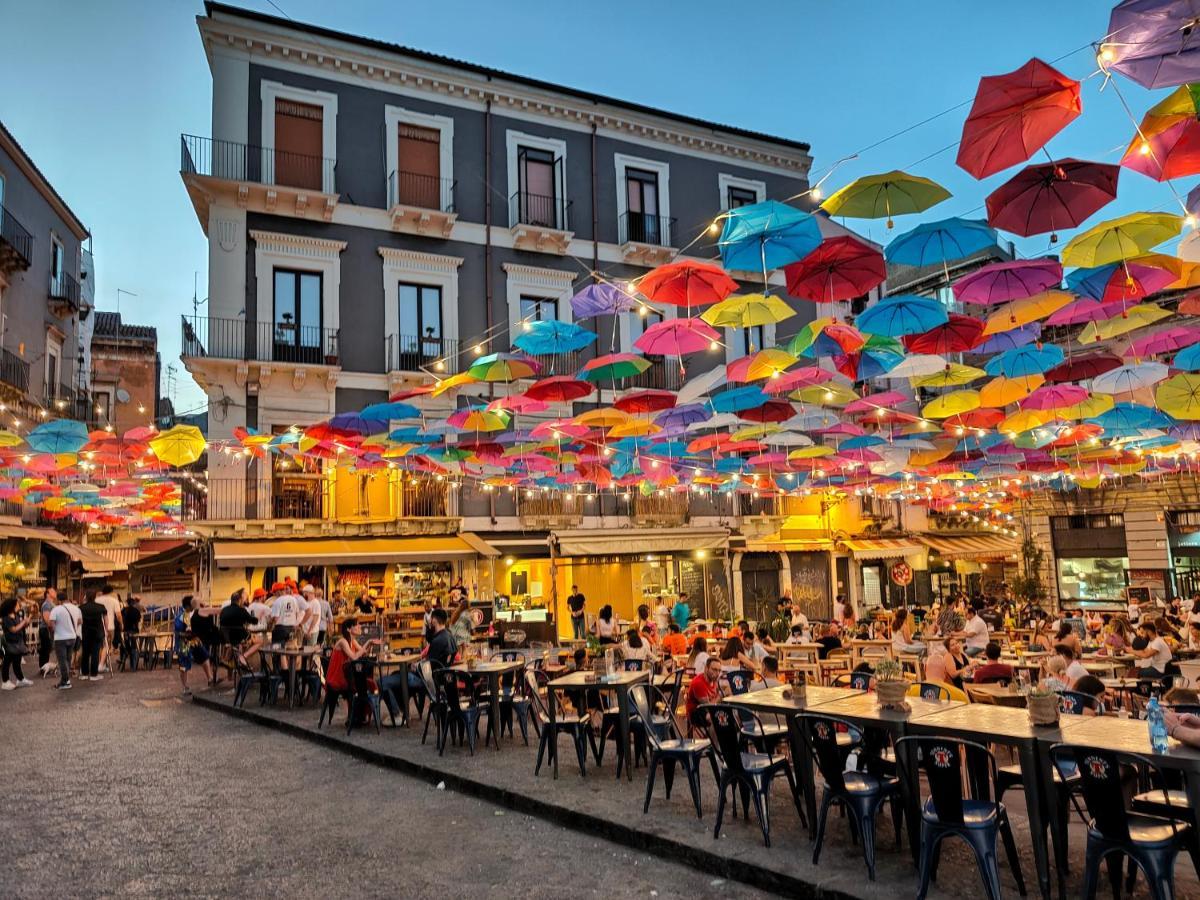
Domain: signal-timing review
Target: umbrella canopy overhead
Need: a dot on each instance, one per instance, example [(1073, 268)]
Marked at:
[(767, 235), (1119, 281), (884, 196), (1014, 115), (180, 445), (602, 299), (903, 314), (552, 336), (1000, 282), (1051, 197), (1121, 238), (1167, 142), (687, 283), (747, 311), (841, 268), (1153, 42), (937, 243), (677, 337)]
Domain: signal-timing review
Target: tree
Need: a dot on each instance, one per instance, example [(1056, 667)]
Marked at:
[(1028, 585)]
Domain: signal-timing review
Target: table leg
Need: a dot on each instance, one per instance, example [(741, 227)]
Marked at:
[(552, 743), (910, 791), (1037, 803), (1048, 790), (494, 688), (805, 777), (291, 682), (623, 721), (404, 670)]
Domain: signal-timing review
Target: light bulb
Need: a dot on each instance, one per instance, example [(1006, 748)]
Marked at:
[(815, 193), (440, 366), (642, 310), (1145, 148), (715, 227), (712, 345)]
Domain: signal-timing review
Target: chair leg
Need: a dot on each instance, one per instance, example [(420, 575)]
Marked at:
[(1010, 850), (866, 826), (722, 786), (693, 773), (654, 760), (668, 774), (542, 742), (523, 721), (796, 798), (581, 753), (1091, 868), (822, 818), (897, 806), (984, 846), (762, 800), (1113, 863), (930, 849)]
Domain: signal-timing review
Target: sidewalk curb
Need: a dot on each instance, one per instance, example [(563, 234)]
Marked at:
[(666, 848)]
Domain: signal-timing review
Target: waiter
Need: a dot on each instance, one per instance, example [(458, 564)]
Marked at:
[(575, 604)]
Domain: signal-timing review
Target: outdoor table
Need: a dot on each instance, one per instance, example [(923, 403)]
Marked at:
[(404, 662), (493, 671), (620, 683), (861, 649), (987, 724), (293, 655), (151, 643), (1122, 687), (1001, 695)]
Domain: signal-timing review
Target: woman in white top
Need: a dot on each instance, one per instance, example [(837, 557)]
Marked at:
[(698, 658), (634, 647), (605, 626), (902, 634), (734, 656)]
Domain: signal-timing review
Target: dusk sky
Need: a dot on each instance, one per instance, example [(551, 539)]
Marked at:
[(100, 105)]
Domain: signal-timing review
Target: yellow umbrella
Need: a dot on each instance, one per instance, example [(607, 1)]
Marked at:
[(941, 449), (954, 375), (454, 381), (1027, 309), (1001, 391), (606, 417), (1131, 320), (1087, 409), (634, 428), (956, 476), (746, 311), (830, 394), (1025, 420), (814, 452), (1180, 396), (755, 431), (178, 446), (8, 439), (952, 404), (1121, 238), (768, 364), (886, 195)]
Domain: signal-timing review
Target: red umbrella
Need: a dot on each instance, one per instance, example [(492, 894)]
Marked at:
[(841, 268), (1014, 115), (1052, 196), (771, 411), (982, 417), (958, 334), (687, 283), (645, 401), (559, 389), (1081, 368)]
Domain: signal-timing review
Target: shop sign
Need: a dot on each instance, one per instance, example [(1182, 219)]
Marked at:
[(901, 573)]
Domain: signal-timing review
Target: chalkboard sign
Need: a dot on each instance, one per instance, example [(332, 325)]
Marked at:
[(810, 584), (923, 587), (720, 604), (691, 580)]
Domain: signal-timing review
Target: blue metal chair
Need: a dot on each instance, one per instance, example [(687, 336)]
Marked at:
[(1075, 702), (668, 746), (859, 792), (749, 773), (464, 708), (437, 703), (579, 726), (948, 811), (931, 690), (245, 679), (513, 699), (859, 681), (364, 696), (739, 681), (633, 665)]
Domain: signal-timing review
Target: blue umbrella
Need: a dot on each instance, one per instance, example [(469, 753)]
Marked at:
[(731, 464), (860, 441), (1188, 359), (412, 435), (59, 436), (357, 423), (389, 411), (767, 235), (902, 314), (873, 363), (552, 336), (938, 243), (1128, 419), (1007, 340), (749, 397), (1032, 359)]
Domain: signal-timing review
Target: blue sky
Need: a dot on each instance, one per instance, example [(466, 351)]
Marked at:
[(98, 94)]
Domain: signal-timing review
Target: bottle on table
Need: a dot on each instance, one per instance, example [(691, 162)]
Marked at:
[(1157, 725)]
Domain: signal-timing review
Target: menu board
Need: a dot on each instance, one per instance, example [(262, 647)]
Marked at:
[(691, 581), (810, 584)]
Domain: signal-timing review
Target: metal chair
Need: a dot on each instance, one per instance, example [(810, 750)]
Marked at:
[(437, 703), (364, 696), (1075, 702), (859, 792), (859, 681), (513, 699), (579, 726), (634, 665), (668, 746), (950, 811), (931, 690), (1116, 829), (749, 773), (739, 680), (463, 710)]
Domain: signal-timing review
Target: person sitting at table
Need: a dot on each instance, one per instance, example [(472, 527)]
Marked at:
[(734, 656), (1054, 673), (650, 639), (1183, 727), (704, 688), (605, 626), (946, 662), (764, 642), (828, 641), (1074, 669), (1117, 636), (236, 620), (700, 631), (1066, 635), (797, 635), (1093, 687), (1156, 655), (1181, 695), (698, 658), (1167, 632), (1193, 640), (974, 633), (633, 647), (770, 675), (993, 670), (753, 647), (674, 643), (348, 649), (902, 633), (1043, 638), (1093, 623)]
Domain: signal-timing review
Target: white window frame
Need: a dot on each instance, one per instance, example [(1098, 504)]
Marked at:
[(621, 162), (552, 284), (393, 117), (54, 348), (725, 181), (270, 91), (272, 251), (428, 269), (632, 326), (57, 244), (513, 142), (111, 394)]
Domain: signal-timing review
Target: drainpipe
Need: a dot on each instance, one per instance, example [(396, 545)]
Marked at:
[(487, 252)]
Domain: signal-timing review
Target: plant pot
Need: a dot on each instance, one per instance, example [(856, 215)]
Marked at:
[(891, 693), (1043, 710)]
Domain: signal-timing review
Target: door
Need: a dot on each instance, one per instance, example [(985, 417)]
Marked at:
[(419, 162), (296, 330), (641, 194), (420, 307), (537, 195), (299, 153)]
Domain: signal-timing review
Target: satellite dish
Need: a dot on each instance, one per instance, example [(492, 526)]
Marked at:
[(122, 395)]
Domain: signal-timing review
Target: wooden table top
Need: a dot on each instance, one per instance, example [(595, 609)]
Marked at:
[(587, 679), (1128, 736), (497, 667), (772, 700), (398, 659), (986, 723), (866, 707)]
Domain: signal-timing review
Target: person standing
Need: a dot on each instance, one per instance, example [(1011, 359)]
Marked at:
[(131, 624), (188, 650), (681, 612), (260, 610), (285, 613), (326, 617), (14, 622), (45, 631), (662, 616), (575, 603), (65, 633), (310, 622), (95, 636), (112, 621), (839, 608)]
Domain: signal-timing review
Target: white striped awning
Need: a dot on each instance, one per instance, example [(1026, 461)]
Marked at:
[(972, 546), (883, 548)]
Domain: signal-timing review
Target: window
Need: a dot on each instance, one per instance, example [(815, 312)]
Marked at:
[(103, 406), (420, 307), (298, 144), (740, 196), (641, 192), (752, 339), (418, 178), (538, 309), (1087, 521), (734, 191), (296, 332), (56, 264), (537, 197), (52, 372)]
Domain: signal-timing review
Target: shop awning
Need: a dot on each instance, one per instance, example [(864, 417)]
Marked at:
[(91, 560), (30, 533), (882, 548), (788, 546), (971, 546), (335, 551), (120, 556), (632, 541)]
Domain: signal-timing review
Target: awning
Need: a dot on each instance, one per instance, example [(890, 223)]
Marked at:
[(335, 551), (971, 546), (882, 548), (788, 546), (121, 556), (91, 560), (29, 533), (634, 541)]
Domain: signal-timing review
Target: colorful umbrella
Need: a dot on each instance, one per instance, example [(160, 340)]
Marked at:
[(938, 243), (1167, 340), (1127, 379), (602, 299), (1032, 359), (387, 412), (687, 283), (1119, 281), (60, 436), (504, 366), (1000, 282), (1153, 42), (179, 445), (890, 194), (1167, 143), (957, 335), (761, 364), (949, 375), (1187, 359), (1083, 368), (559, 389), (647, 401), (1180, 396), (952, 404), (474, 418), (747, 311), (545, 337), (1001, 391), (613, 366), (1027, 310), (1055, 396), (677, 337), (841, 268), (903, 314), (1130, 320), (1006, 340), (1014, 115), (1052, 196), (1121, 238), (865, 364), (767, 235)]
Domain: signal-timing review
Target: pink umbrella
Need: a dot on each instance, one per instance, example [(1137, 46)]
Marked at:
[(676, 337), (562, 427), (806, 376), (1004, 281), (1164, 341), (517, 403), (1085, 309), (768, 459), (844, 429), (1054, 396), (872, 402)]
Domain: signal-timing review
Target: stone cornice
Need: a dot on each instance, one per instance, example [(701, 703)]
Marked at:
[(342, 59), (553, 278), (297, 245), (417, 260)]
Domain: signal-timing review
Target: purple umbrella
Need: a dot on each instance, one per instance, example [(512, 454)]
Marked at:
[(1004, 281), (356, 423), (1193, 200), (601, 300), (685, 415), (1007, 340), (1154, 42)]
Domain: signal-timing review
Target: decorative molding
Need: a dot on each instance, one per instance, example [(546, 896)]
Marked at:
[(228, 234), (418, 262), (538, 277), (725, 181), (551, 284), (297, 244), (418, 267), (299, 376), (277, 250)]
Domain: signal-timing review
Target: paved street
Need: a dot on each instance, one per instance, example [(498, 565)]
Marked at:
[(118, 788)]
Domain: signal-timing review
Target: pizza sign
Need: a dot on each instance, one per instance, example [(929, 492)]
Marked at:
[(901, 573)]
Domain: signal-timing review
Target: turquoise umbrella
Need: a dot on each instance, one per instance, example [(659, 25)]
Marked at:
[(1031, 359), (767, 235), (59, 436), (938, 243), (551, 336), (902, 314)]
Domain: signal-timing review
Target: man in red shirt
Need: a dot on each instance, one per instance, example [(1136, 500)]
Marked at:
[(705, 688), (993, 669)]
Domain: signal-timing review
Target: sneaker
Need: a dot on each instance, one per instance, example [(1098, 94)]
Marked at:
[(97, 678), (85, 677), (24, 682), (63, 687), (8, 686)]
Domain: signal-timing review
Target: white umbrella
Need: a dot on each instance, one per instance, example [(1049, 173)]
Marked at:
[(917, 365), (1129, 378)]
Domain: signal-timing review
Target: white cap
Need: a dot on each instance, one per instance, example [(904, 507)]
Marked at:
[(307, 589)]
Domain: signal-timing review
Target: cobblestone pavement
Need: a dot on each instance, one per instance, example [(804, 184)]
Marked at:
[(119, 788)]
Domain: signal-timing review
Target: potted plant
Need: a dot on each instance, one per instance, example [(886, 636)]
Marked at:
[(890, 684), (1043, 705)]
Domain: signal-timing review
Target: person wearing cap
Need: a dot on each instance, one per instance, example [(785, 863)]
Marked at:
[(326, 622), (286, 613), (259, 609), (310, 623)]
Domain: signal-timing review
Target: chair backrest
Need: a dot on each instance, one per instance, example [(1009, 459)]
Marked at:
[(511, 656), (1100, 771), (425, 670), (929, 690), (448, 684), (739, 681), (644, 698), (537, 704), (358, 675), (725, 723), (860, 681), (821, 732), (675, 690), (1075, 702), (634, 665), (942, 759)]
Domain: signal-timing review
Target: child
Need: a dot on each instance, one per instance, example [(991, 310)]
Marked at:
[(797, 635)]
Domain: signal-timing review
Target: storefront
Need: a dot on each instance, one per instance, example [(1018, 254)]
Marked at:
[(802, 569), (979, 564), (1183, 537), (880, 583), (1090, 556)]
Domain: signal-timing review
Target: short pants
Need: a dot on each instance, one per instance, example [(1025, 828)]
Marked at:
[(196, 654)]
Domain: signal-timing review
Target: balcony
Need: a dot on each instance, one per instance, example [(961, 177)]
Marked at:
[(16, 244), (270, 179), (14, 372), (63, 294), (421, 204), (545, 511), (539, 223), (664, 375), (267, 342), (666, 511), (437, 356), (645, 239)]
